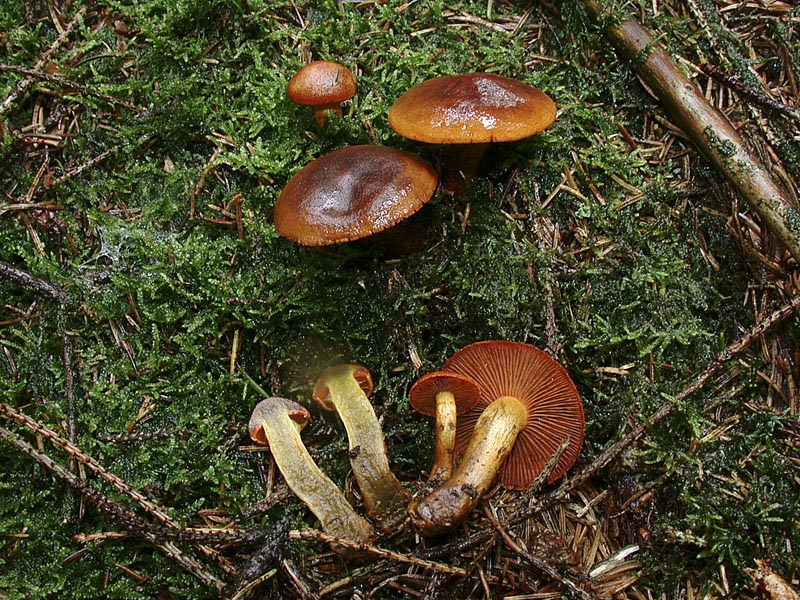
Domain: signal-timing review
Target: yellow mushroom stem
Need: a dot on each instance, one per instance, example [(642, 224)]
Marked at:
[(493, 437), (320, 112), (445, 438), (282, 432), (384, 497)]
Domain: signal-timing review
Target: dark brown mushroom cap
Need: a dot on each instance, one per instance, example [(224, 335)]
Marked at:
[(352, 193), (321, 82), (422, 395), (297, 413), (360, 373), (555, 411), (475, 108)]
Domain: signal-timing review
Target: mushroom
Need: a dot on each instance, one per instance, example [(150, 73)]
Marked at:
[(323, 85), (529, 407), (346, 388), (468, 112), (277, 422), (443, 395), (352, 193)]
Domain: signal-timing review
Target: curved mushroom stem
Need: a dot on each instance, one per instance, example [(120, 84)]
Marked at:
[(275, 421), (495, 433), (385, 498), (445, 440)]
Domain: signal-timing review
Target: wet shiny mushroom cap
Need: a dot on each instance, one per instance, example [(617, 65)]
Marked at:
[(475, 108), (352, 193), (542, 385), (321, 82)]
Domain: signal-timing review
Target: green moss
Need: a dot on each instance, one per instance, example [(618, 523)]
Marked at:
[(161, 295)]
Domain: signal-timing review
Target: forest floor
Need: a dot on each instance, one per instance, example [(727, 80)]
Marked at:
[(143, 286)]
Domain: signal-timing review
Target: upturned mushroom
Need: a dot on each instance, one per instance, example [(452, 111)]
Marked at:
[(346, 388), (277, 422), (323, 85), (528, 408), (468, 112), (443, 395), (352, 193)]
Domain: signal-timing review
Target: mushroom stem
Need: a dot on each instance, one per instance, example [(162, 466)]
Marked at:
[(462, 166), (276, 418), (384, 497), (495, 433), (445, 441), (319, 112)]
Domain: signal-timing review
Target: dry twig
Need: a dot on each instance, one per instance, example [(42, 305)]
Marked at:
[(35, 74), (319, 536), (26, 83), (710, 131), (30, 282), (117, 511), (83, 458)]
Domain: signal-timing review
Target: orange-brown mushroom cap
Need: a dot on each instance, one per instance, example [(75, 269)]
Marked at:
[(296, 412), (352, 193), (555, 410), (475, 108), (321, 82), (360, 373), (422, 395)]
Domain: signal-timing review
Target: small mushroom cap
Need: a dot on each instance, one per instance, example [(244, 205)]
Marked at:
[(358, 372), (422, 395), (321, 82), (353, 193), (475, 108), (269, 408), (555, 410)]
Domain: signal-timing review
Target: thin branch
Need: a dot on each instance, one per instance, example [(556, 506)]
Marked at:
[(82, 167), (34, 74), (332, 540), (25, 84), (707, 128), (698, 382), (80, 456), (748, 92), (26, 280), (117, 511)]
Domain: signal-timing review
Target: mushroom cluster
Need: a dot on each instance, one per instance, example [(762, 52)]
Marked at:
[(503, 411), (528, 408), (358, 191), (345, 389)]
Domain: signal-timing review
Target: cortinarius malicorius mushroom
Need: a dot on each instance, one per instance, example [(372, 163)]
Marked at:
[(323, 85), (468, 112), (528, 408), (346, 388), (352, 193), (443, 395), (277, 422)]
